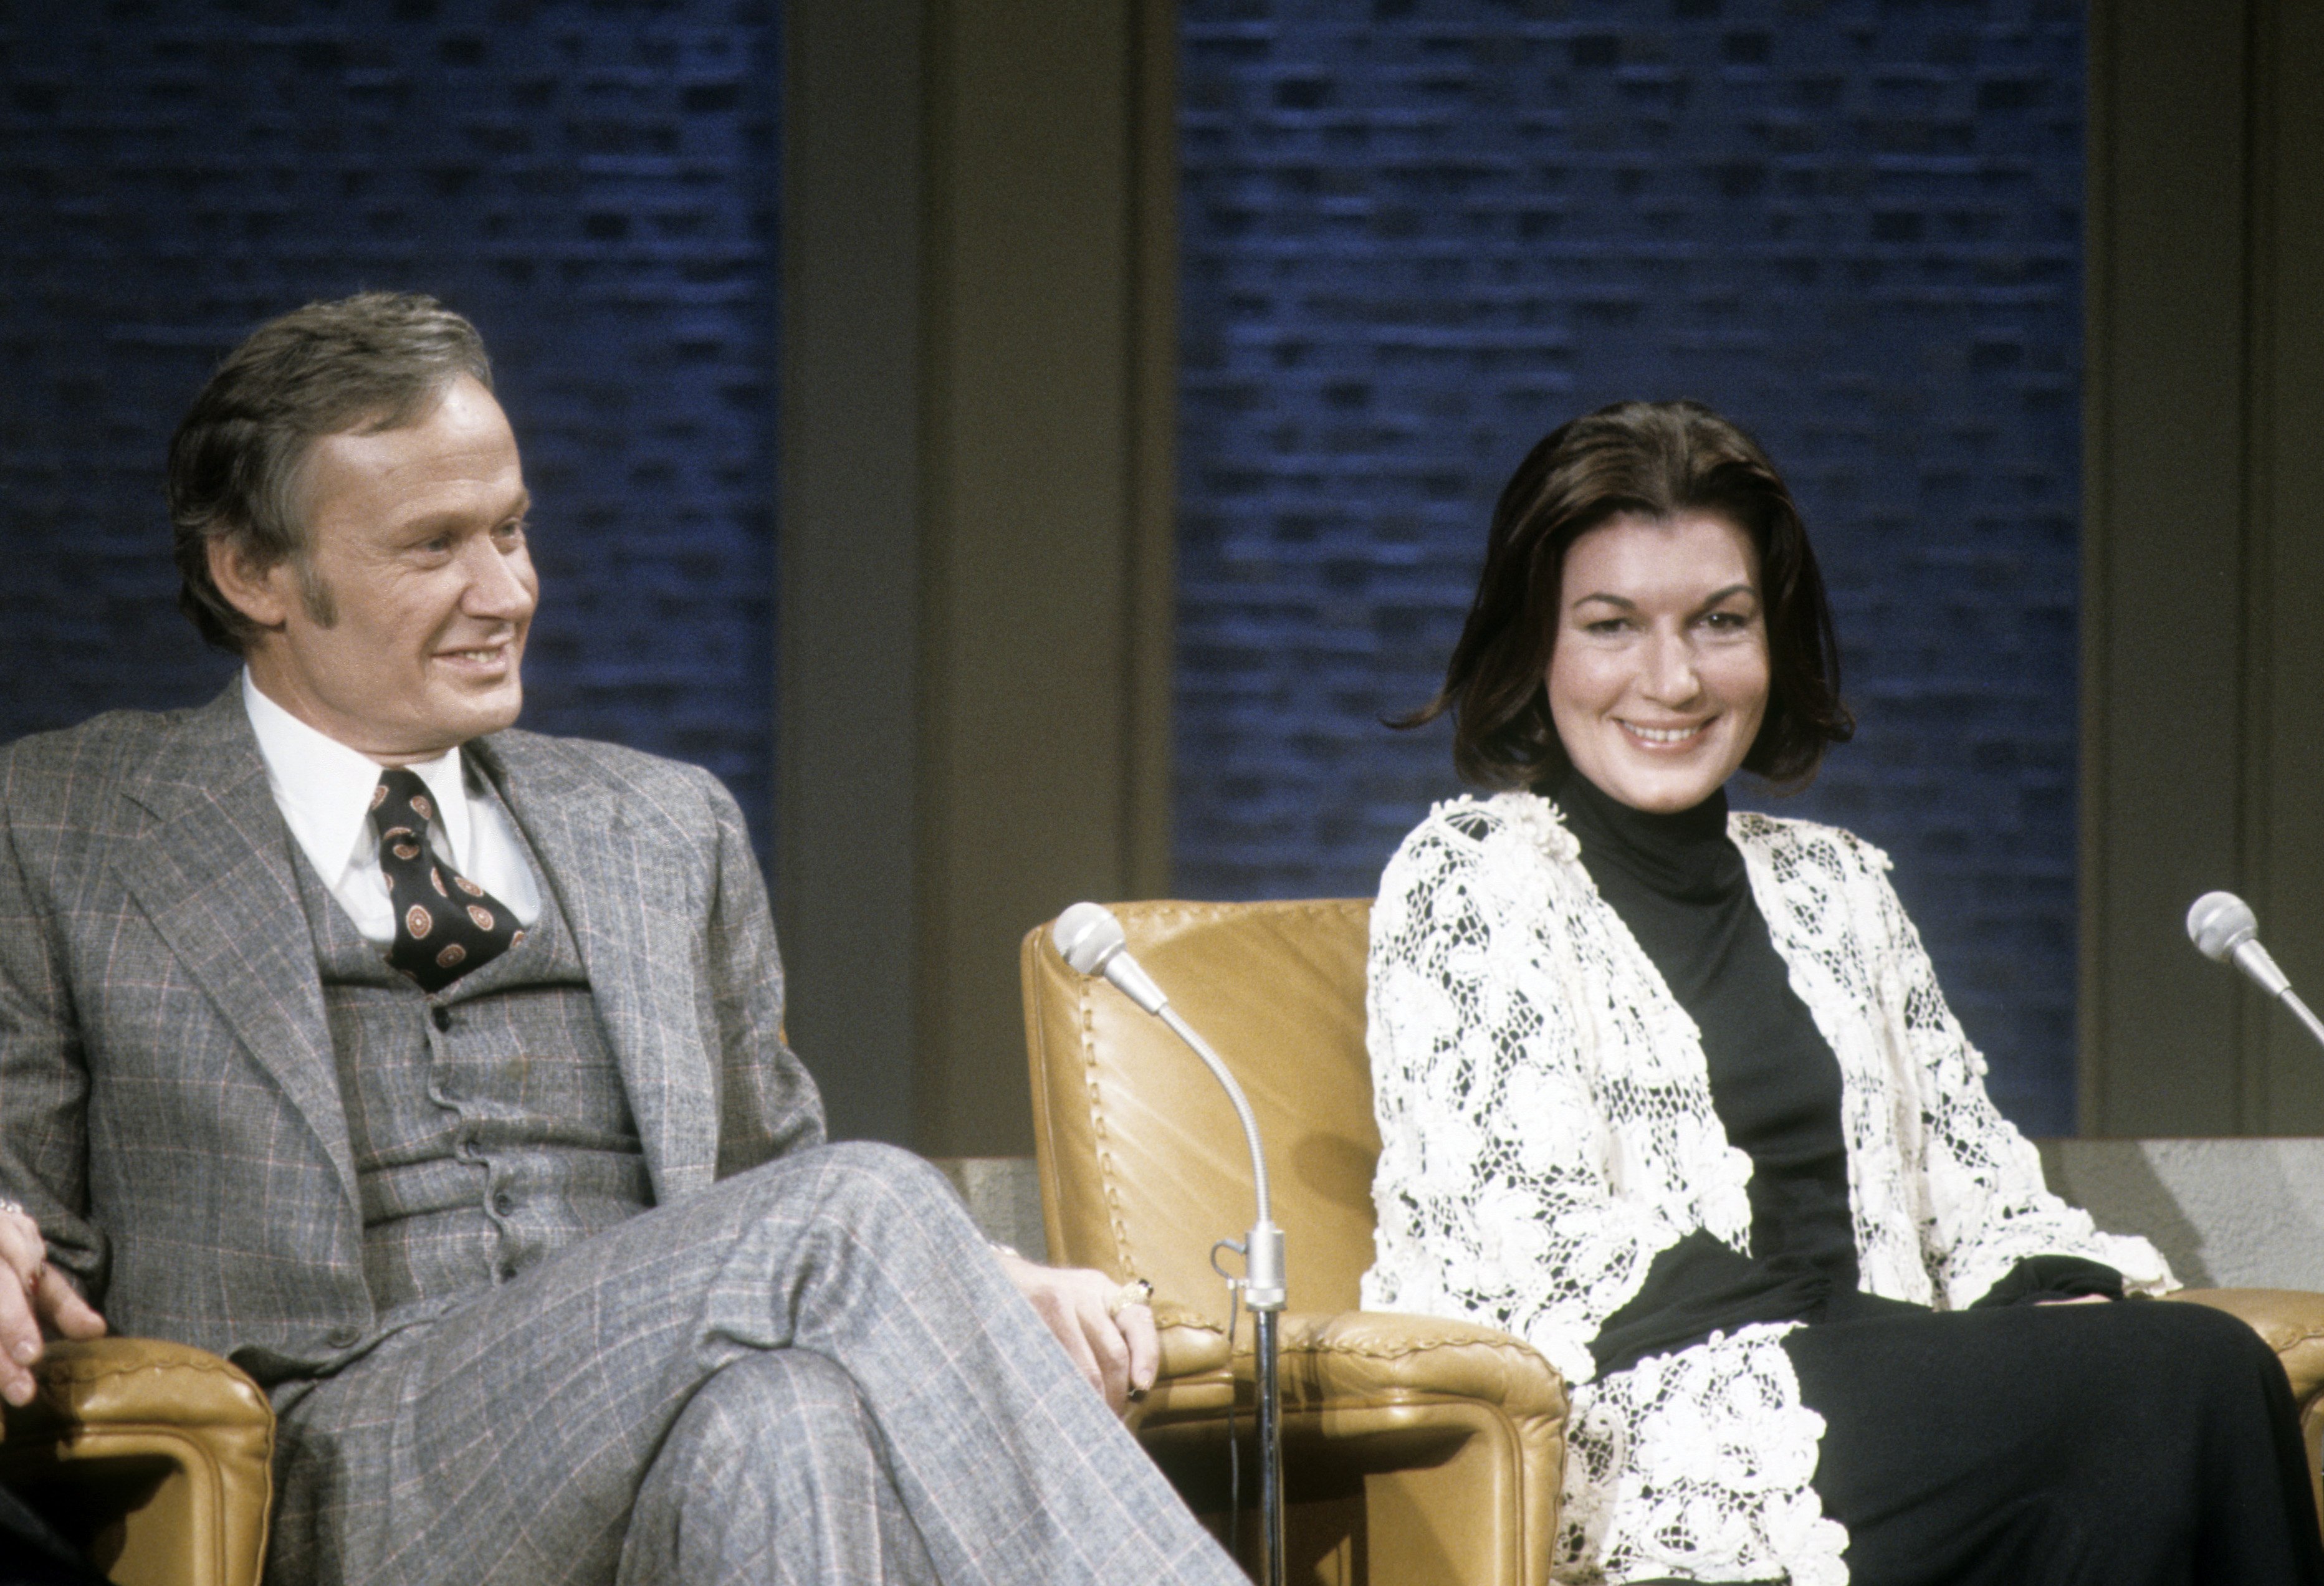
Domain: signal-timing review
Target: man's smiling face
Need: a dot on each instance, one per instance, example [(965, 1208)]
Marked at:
[(404, 634)]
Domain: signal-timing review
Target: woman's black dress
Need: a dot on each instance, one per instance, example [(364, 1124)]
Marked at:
[(2008, 1444)]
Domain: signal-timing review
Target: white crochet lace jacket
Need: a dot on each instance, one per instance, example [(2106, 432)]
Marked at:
[(1546, 1127)]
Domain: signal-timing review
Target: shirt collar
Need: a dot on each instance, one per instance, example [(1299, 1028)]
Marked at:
[(324, 787)]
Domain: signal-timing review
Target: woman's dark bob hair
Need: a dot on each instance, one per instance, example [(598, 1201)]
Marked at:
[(1656, 460)]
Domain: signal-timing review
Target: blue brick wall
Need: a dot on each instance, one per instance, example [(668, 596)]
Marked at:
[(592, 183), (1419, 234)]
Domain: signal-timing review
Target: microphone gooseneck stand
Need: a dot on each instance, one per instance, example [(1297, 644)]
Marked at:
[(1262, 1295), (1090, 939), (2290, 998)]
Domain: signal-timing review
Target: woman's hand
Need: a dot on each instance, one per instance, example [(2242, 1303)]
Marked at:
[(1110, 1339), (34, 1298)]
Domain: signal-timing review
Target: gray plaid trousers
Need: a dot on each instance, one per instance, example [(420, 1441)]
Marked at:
[(523, 1438)]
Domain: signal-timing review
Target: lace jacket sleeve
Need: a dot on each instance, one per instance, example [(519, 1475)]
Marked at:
[(1495, 1188), (1989, 1207)]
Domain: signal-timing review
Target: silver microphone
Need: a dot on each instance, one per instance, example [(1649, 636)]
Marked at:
[(2222, 926), (1089, 938)]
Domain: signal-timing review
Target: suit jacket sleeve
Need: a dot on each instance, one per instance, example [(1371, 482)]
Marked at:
[(767, 1103), (43, 1078)]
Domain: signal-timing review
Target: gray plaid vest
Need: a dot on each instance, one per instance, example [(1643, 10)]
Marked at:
[(488, 1122)]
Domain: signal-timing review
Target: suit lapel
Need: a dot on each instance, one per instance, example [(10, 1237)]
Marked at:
[(213, 873), (632, 921)]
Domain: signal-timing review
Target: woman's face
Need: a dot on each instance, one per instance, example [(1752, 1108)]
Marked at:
[(1659, 675)]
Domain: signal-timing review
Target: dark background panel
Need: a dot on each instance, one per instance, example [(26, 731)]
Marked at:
[(1420, 234), (593, 184)]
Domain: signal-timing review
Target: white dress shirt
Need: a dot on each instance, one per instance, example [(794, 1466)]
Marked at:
[(324, 790)]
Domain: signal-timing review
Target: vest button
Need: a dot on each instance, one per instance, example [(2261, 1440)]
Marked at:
[(503, 1202), (442, 1016), (342, 1337)]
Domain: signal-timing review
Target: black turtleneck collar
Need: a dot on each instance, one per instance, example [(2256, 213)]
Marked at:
[(1684, 857)]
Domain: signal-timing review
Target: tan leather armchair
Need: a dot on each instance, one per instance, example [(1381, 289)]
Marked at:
[(1415, 1449), (155, 1457)]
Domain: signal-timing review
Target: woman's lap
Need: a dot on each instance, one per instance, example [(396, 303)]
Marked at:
[(2128, 1442)]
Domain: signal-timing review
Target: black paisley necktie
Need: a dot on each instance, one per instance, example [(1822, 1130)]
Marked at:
[(444, 924)]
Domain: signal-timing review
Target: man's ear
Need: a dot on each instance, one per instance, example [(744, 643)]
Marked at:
[(261, 595)]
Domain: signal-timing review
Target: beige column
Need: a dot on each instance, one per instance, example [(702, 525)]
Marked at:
[(976, 542), (2203, 555)]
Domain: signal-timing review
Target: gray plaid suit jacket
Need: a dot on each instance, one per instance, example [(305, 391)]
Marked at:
[(168, 1107)]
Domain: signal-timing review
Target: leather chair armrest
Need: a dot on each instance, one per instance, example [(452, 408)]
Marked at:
[(1192, 1347), (2292, 1321), (1379, 1356), (158, 1456), (1366, 1356), (1459, 1430), (113, 1381)]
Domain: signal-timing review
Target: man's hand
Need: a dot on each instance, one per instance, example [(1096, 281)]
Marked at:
[(1117, 1353), (34, 1296)]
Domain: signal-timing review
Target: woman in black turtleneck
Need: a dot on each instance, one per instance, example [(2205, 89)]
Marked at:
[(1649, 622)]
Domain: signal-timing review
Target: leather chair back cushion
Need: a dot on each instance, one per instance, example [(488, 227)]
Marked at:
[(1142, 1162)]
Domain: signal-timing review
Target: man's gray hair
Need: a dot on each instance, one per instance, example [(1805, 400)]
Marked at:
[(372, 362)]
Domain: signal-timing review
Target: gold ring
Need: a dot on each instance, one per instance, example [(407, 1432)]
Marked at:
[(1136, 1292)]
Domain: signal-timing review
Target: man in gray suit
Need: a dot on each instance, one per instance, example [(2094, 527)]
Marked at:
[(434, 1072)]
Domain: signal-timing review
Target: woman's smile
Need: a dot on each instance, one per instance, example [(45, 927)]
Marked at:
[(1663, 737)]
